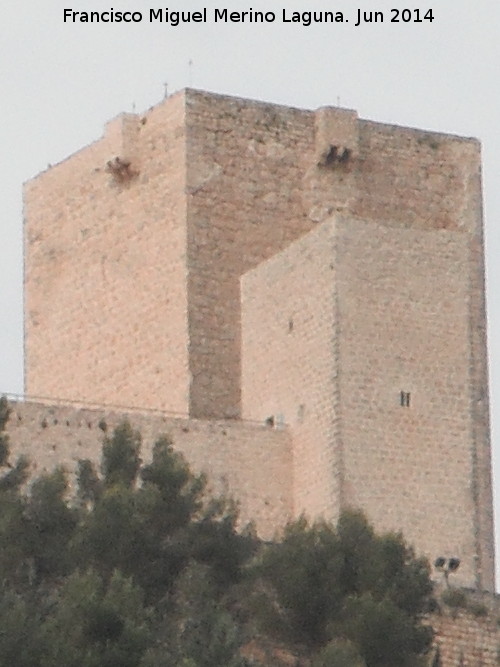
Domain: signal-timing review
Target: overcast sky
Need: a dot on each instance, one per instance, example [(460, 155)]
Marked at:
[(62, 81)]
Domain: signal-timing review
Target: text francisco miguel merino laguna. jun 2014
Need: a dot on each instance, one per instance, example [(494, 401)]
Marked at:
[(224, 15)]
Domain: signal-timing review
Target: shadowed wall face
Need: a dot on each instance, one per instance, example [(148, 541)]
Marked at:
[(290, 365), (245, 163)]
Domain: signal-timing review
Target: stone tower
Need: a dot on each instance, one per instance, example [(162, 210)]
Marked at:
[(223, 258)]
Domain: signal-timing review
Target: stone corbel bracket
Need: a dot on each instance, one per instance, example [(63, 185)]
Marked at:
[(123, 133), (329, 182), (335, 136)]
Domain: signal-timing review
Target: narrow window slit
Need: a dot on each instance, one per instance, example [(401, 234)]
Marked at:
[(405, 399)]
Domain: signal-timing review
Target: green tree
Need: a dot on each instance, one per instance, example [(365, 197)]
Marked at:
[(142, 570), (35, 531), (50, 524), (120, 456), (150, 530), (320, 583), (14, 540), (302, 583), (215, 541), (139, 529), (16, 474), (89, 486), (95, 624), (4, 439), (202, 632), (339, 653), (385, 635), (177, 492), (19, 631)]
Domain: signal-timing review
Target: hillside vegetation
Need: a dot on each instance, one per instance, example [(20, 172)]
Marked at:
[(138, 568)]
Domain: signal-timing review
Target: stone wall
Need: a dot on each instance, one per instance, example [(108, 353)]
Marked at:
[(105, 268), (335, 328), (251, 164), (468, 637), (245, 166), (249, 462), (133, 297), (404, 306), (213, 175), (252, 462), (465, 641), (289, 365)]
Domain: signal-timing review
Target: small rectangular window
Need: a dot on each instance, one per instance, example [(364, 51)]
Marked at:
[(405, 399)]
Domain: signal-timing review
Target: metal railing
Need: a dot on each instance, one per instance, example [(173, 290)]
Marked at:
[(92, 405)]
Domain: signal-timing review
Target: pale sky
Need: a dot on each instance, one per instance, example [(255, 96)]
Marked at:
[(60, 82)]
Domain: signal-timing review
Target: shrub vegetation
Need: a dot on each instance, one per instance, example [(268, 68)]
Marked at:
[(137, 568)]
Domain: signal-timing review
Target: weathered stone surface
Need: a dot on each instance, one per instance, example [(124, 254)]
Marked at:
[(249, 462), (219, 258)]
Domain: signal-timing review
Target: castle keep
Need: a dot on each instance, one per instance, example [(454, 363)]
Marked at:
[(302, 290)]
